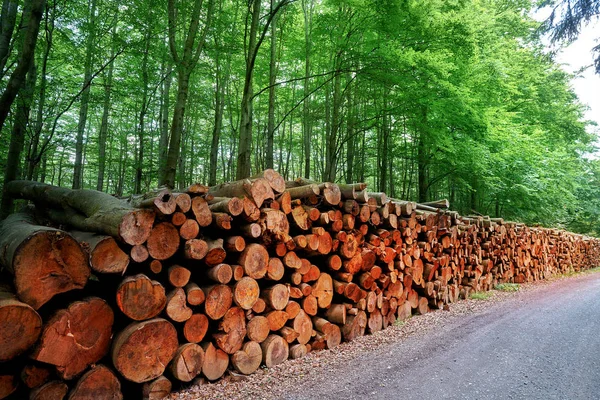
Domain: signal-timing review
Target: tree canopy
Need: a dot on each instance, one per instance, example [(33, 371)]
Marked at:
[(421, 99)]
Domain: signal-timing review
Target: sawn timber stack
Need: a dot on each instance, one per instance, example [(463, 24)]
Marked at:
[(104, 297)]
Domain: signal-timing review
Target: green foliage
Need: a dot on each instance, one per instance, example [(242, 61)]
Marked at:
[(436, 99), (480, 295)]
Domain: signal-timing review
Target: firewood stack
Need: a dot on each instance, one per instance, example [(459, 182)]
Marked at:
[(103, 296)]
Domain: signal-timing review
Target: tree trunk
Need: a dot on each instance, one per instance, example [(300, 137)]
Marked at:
[(164, 121), (137, 186), (307, 8), (33, 158), (185, 64), (85, 96), (272, 76), (8, 17), (33, 12), (17, 139), (102, 135)]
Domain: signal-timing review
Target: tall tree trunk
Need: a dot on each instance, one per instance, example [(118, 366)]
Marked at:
[(33, 11), (102, 135), (164, 120), (272, 76), (332, 138), (34, 158), (385, 143), (17, 138), (218, 123), (7, 22), (185, 64), (85, 96), (243, 159), (137, 187), (350, 139), (307, 9)]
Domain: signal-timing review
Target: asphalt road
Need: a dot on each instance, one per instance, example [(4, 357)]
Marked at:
[(539, 345)]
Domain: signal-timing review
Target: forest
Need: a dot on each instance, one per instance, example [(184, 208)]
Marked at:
[(421, 99)]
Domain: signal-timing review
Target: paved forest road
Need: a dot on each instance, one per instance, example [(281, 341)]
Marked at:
[(539, 345)]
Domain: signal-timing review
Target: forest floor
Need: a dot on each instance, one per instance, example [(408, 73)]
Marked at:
[(540, 342)]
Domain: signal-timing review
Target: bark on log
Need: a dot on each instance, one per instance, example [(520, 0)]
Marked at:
[(140, 298), (44, 261), (143, 349), (258, 190), (88, 210), (76, 337), (99, 383)]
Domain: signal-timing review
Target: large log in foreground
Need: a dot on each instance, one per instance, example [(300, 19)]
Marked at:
[(102, 300)]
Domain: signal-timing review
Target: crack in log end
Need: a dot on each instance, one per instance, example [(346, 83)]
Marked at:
[(135, 226)]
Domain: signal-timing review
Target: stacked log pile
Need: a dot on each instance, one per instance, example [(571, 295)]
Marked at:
[(104, 296)]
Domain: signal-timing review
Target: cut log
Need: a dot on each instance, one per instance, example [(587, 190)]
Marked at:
[(303, 326), (163, 241), (258, 190), (275, 180), (232, 206), (258, 329), (91, 211), (220, 273), (44, 261), (216, 253), (277, 320), (195, 249), (298, 351), (232, 331), (187, 362), (8, 385), (336, 314), (221, 220), (156, 266), (162, 201), (323, 290), (218, 301), (215, 363), (310, 305), (140, 298), (355, 326), (189, 229), (195, 328), (276, 297), (275, 269), (76, 337), (141, 351), (34, 375), (20, 325), (157, 389), (248, 359), (178, 218), (53, 390), (195, 295), (245, 293), (254, 259), (235, 244), (139, 253), (183, 201), (275, 350), (105, 255), (178, 276), (177, 308), (99, 383), (201, 212)]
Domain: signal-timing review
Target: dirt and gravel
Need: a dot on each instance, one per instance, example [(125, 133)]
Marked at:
[(542, 342)]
